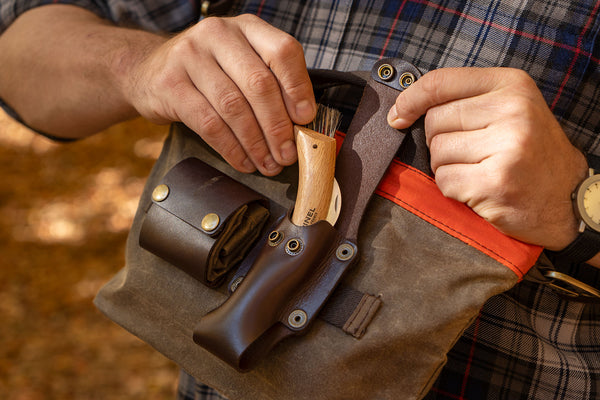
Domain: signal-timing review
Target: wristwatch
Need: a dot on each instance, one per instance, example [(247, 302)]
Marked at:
[(586, 203)]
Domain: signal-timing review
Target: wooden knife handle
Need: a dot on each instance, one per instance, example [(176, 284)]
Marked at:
[(316, 164)]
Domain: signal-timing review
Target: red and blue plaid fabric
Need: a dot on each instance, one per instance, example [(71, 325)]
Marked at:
[(527, 343)]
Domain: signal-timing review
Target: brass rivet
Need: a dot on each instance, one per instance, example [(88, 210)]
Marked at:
[(275, 238), (344, 252), (294, 246), (210, 222), (160, 192), (297, 319), (406, 79), (385, 72)]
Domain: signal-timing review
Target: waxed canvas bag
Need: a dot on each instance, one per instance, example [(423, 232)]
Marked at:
[(367, 309)]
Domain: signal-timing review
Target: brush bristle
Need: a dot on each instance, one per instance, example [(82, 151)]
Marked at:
[(326, 121)]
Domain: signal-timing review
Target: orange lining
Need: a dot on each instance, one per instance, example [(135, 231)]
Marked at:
[(418, 193)]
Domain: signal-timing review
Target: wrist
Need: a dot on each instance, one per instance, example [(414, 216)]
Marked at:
[(568, 226), (585, 245), (127, 61)]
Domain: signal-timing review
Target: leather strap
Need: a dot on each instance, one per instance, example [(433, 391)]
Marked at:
[(369, 147), (209, 8), (582, 249)]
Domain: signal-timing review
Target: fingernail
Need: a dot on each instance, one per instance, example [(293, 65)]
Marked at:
[(392, 115), (305, 111), (288, 152), (248, 165), (270, 165)]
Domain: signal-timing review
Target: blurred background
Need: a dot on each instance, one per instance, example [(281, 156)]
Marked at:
[(65, 210)]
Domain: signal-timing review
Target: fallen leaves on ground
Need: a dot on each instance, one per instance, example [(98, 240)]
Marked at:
[(65, 209)]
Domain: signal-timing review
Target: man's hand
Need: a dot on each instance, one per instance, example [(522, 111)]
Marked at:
[(497, 147), (238, 82)]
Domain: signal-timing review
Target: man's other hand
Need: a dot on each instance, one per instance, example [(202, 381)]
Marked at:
[(496, 146)]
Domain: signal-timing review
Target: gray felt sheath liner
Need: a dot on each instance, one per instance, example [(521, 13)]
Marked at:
[(432, 286)]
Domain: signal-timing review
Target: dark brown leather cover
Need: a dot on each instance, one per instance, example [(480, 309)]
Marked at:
[(172, 228)]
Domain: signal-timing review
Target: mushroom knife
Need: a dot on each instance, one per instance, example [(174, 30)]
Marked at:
[(319, 196)]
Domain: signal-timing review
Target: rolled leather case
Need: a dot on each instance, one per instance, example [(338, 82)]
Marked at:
[(202, 221)]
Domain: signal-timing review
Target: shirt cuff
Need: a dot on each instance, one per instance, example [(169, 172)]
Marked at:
[(10, 10), (13, 114)]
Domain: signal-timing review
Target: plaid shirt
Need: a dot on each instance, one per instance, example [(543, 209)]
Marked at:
[(527, 343)]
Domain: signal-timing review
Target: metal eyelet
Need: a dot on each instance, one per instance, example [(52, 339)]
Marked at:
[(406, 79), (385, 72), (297, 319), (294, 246), (275, 238), (344, 252)]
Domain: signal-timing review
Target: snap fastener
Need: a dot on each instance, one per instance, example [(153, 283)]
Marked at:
[(385, 72), (294, 246), (275, 238), (160, 193), (344, 252), (210, 222), (406, 79), (297, 319)]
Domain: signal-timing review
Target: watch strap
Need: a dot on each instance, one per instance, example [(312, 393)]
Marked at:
[(582, 249), (593, 161)]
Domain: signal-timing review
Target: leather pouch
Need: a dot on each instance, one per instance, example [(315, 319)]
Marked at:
[(202, 221)]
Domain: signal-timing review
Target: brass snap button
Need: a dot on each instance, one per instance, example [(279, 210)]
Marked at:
[(406, 79), (344, 252), (204, 8), (294, 246), (160, 193), (210, 222), (275, 238), (297, 319)]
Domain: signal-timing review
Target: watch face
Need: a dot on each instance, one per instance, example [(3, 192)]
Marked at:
[(588, 202)]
